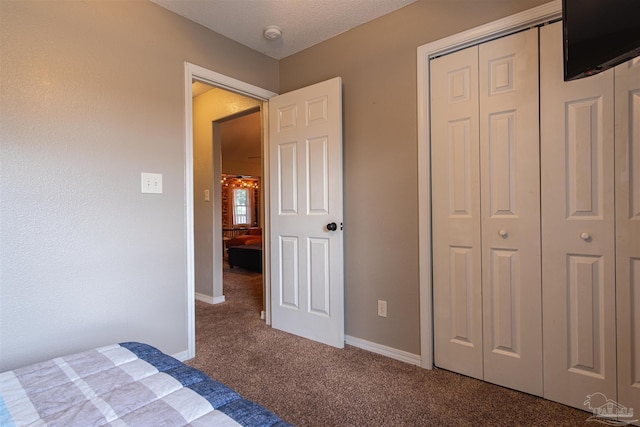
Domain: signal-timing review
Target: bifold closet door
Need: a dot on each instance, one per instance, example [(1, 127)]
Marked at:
[(455, 169), (510, 203), (485, 212), (627, 89), (578, 235)]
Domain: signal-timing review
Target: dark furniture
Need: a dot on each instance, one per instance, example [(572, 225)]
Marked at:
[(246, 256)]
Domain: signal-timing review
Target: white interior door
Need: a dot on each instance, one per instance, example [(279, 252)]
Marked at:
[(627, 87), (455, 169), (510, 201), (578, 236), (306, 245)]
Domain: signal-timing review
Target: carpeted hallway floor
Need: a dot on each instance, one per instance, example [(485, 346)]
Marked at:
[(313, 385)]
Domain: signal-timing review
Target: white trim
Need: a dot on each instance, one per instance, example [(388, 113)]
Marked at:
[(501, 27), (191, 72), (536, 16), (229, 83), (424, 215), (403, 356), (217, 275), (189, 222), (266, 226), (209, 299), (182, 356), (204, 298)]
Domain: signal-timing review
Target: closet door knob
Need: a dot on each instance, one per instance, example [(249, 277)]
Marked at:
[(585, 236), (502, 232)]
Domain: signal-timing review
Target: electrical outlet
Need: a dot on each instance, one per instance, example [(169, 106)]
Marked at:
[(382, 308)]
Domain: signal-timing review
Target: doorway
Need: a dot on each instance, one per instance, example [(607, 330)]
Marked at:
[(246, 97), (226, 140), (315, 144), (227, 194)]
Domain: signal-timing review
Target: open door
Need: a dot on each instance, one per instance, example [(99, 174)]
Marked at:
[(306, 246)]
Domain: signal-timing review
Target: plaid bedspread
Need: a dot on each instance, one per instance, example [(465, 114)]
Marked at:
[(128, 384)]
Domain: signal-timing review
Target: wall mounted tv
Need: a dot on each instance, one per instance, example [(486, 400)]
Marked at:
[(598, 35)]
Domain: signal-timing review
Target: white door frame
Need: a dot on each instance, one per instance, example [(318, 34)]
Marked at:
[(511, 24), (192, 71)]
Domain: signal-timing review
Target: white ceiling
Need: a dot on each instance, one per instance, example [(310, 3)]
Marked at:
[(304, 23)]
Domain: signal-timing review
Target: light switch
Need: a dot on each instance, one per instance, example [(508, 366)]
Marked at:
[(206, 195), (151, 182)]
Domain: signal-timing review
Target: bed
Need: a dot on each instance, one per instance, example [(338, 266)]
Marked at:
[(246, 256), (127, 384)]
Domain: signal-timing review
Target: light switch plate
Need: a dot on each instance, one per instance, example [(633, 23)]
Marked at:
[(151, 183)]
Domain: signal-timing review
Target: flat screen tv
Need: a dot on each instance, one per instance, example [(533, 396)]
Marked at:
[(598, 35)]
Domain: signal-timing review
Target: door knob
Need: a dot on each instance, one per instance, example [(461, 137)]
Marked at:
[(332, 226), (585, 236), (502, 232)]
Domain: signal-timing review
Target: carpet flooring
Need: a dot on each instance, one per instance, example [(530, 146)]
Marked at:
[(313, 385)]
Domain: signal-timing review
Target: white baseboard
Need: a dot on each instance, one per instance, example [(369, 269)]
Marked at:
[(182, 356), (383, 350), (403, 356), (209, 299)]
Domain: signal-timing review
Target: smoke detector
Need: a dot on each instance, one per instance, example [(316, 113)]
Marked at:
[(272, 32)]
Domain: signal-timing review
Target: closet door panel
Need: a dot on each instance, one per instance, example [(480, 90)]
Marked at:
[(510, 194), (578, 235), (627, 110), (456, 213)]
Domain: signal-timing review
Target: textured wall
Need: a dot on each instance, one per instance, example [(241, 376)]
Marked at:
[(377, 63), (92, 94)]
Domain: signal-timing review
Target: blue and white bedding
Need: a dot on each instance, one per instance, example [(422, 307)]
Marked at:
[(128, 384)]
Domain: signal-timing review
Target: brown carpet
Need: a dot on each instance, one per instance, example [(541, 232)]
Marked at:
[(310, 384)]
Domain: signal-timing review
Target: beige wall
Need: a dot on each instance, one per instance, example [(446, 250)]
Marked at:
[(242, 145), (92, 94), (377, 62)]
